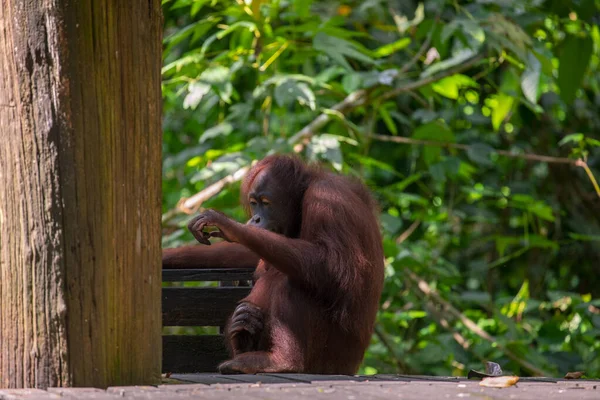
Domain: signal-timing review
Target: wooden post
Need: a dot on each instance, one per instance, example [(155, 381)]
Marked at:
[(80, 192)]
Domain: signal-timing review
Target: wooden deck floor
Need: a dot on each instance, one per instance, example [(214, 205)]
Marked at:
[(326, 387)]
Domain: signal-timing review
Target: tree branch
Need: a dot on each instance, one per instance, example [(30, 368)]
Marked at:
[(401, 366), (353, 100), (191, 204), (433, 78), (406, 234), (525, 156), (588, 171), (418, 55)]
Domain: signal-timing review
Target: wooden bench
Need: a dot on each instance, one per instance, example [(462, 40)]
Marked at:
[(199, 307)]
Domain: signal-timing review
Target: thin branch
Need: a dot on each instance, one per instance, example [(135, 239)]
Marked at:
[(458, 338), (353, 100), (588, 171), (525, 156), (505, 153), (191, 204), (406, 234), (401, 367), (420, 99), (417, 56), (471, 325), (433, 78), (443, 321)]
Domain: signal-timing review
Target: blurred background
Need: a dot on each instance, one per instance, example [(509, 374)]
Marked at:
[(476, 124)]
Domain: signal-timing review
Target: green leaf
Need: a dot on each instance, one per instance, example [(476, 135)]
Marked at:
[(325, 147), (573, 63), (449, 87), (544, 57), (198, 27), (543, 211), (329, 74), (460, 57), (502, 242), (586, 238), (501, 109), (435, 131), (470, 27), (373, 163), (448, 30), (573, 137), (385, 116), (351, 82), (194, 57), (447, 168), (480, 153), (391, 48), (537, 207), (251, 26), (217, 75), (338, 49), (413, 314), (510, 82), (197, 6), (196, 90), (403, 184), (290, 91), (223, 129), (530, 79), (541, 241), (390, 223), (592, 142), (473, 28), (505, 34), (302, 7), (437, 172)]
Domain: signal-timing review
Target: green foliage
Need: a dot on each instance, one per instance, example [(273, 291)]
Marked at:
[(508, 243)]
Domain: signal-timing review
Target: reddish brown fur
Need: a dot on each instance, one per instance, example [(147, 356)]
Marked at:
[(219, 255), (319, 287)]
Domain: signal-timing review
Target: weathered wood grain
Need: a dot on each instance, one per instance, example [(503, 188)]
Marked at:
[(214, 386), (80, 192)]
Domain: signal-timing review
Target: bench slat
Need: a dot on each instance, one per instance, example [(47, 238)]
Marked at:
[(188, 354), (200, 306), (207, 275)]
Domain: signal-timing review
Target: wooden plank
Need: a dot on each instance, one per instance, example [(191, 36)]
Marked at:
[(235, 387), (537, 379), (132, 391), (212, 379), (200, 306), (26, 394), (326, 392), (264, 378), (207, 275), (313, 378), (413, 378), (206, 378), (189, 354)]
